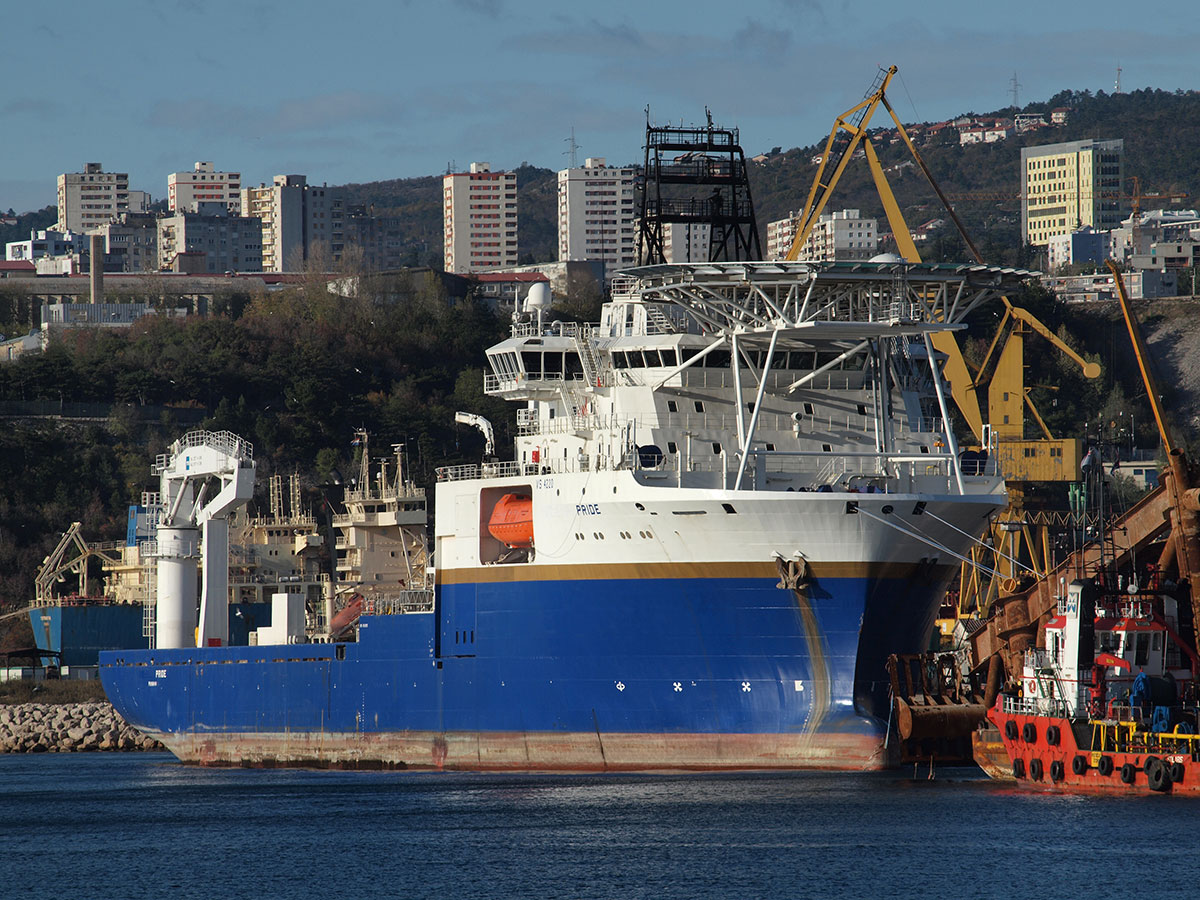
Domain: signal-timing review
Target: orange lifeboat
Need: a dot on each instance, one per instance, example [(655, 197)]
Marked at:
[(512, 521)]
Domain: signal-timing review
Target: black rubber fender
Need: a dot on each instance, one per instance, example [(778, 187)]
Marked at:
[(1035, 769), (1177, 772), (1057, 770), (1157, 778), (1018, 767), (1052, 735), (1128, 773), (1010, 730), (1105, 766), (1079, 765), (1029, 733)]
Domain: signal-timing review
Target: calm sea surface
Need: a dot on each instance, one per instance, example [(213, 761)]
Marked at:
[(142, 825)]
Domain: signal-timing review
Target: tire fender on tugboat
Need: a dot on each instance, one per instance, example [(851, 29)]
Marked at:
[(1157, 778)]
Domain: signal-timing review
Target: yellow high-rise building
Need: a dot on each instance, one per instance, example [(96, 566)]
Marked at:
[(1067, 186)]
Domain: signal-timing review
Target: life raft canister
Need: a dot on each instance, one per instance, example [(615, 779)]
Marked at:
[(512, 521)]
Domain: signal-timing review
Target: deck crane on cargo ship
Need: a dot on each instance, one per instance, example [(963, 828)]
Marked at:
[(191, 525)]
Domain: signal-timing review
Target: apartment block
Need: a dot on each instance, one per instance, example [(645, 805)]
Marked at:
[(45, 243), (299, 222), (130, 243), (479, 220), (780, 235), (1065, 187), (380, 238), (842, 235), (686, 242), (209, 239), (596, 214), (92, 197), (204, 185)]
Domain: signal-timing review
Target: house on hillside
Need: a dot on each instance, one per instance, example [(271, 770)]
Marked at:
[(1059, 115)]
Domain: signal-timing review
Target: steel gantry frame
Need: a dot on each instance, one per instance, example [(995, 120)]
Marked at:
[(849, 307)]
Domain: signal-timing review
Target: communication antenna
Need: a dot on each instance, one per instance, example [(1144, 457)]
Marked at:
[(1117, 86), (1014, 89), (572, 151), (450, 166)]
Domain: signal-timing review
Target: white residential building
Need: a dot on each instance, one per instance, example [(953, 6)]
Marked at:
[(130, 243), (842, 235), (43, 244), (596, 214), (211, 239), (297, 220), (780, 235), (479, 220), (686, 242), (92, 197), (203, 185)]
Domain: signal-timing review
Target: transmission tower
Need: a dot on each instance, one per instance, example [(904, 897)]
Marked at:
[(1014, 88), (572, 151)]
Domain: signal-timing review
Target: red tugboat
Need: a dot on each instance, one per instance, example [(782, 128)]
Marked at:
[(1109, 704)]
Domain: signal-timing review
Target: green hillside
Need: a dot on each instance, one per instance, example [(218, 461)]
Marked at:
[(1161, 131)]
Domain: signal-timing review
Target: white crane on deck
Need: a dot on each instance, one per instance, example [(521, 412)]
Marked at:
[(194, 527)]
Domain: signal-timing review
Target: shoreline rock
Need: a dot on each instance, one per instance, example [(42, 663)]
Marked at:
[(68, 728)]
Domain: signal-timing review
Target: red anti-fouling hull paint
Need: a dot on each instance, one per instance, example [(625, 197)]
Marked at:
[(491, 751)]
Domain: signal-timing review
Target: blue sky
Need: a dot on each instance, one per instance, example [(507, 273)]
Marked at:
[(368, 90)]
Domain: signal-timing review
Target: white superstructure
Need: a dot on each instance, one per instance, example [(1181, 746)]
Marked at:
[(805, 399)]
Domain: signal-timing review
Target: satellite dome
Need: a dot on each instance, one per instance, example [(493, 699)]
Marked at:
[(539, 297)]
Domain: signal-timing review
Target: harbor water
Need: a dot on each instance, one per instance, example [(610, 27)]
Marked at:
[(130, 825)]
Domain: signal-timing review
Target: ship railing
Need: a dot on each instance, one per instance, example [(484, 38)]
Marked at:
[(1037, 706), (552, 329), (1040, 659), (768, 469), (399, 603), (549, 381), (225, 442), (484, 470)]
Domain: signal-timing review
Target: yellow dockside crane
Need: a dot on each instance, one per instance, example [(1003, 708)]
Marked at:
[(1015, 534)]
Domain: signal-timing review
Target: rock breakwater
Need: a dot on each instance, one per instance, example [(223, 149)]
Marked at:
[(67, 728)]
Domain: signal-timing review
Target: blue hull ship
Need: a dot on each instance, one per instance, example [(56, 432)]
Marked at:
[(727, 504)]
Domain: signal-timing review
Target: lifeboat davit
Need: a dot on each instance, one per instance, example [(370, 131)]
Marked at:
[(512, 521)]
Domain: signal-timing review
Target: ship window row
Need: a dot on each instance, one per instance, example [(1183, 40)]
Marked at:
[(799, 360)]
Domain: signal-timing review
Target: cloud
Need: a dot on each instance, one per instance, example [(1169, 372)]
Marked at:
[(35, 108), (290, 116), (489, 8)]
